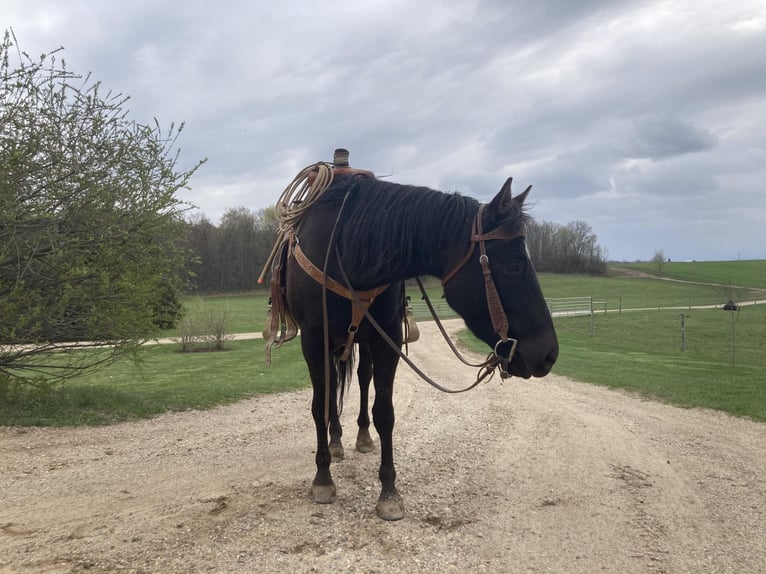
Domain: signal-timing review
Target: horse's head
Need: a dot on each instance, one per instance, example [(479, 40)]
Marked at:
[(499, 257)]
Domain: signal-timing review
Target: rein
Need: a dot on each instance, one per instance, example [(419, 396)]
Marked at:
[(488, 366)]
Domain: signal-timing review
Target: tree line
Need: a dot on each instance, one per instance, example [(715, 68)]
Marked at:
[(570, 248), (229, 257)]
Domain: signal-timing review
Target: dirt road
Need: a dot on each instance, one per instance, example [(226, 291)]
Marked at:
[(520, 476)]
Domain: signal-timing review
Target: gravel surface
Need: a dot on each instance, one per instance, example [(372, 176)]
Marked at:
[(545, 475)]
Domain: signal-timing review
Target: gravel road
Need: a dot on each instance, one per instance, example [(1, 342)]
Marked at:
[(545, 475)]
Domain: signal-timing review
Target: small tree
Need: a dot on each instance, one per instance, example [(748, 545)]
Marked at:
[(659, 259), (205, 327), (89, 221)]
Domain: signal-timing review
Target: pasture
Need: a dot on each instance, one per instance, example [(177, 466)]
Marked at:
[(748, 273), (640, 351), (635, 350)]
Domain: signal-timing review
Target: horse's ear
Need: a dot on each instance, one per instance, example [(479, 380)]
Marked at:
[(501, 205), (522, 197)]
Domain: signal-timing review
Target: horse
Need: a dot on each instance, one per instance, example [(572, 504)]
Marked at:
[(371, 235)]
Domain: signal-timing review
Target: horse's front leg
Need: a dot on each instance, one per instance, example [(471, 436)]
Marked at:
[(390, 505), (364, 374), (336, 430), (322, 488)]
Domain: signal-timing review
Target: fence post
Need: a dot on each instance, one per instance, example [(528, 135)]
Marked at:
[(620, 312), (592, 317)]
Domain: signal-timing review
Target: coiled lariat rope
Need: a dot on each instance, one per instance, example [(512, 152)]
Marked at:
[(310, 183), (305, 189)]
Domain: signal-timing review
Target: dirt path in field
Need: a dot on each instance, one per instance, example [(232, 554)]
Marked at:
[(521, 476), (637, 274)]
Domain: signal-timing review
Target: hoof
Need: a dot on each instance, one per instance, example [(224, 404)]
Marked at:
[(323, 493), (364, 441), (390, 507), (336, 451)]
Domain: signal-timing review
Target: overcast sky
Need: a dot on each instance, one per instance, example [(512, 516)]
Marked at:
[(646, 119)]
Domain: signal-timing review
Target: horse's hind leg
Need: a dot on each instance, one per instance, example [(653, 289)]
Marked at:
[(364, 374), (322, 488), (390, 505)]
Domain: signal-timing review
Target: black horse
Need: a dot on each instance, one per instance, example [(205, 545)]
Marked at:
[(383, 233)]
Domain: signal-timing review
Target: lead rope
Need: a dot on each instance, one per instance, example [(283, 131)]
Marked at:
[(325, 315), (444, 333), (488, 367)]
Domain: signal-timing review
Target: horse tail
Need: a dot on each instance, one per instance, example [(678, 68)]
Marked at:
[(345, 370)]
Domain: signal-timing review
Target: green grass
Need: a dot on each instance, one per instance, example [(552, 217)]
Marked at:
[(164, 380), (245, 312), (636, 293), (750, 273), (641, 352), (637, 350)]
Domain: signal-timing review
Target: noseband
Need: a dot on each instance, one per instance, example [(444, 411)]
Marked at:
[(494, 304)]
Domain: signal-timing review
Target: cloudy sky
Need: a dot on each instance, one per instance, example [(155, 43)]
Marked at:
[(646, 119)]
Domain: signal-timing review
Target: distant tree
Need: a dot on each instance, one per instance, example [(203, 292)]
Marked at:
[(204, 264), (229, 257), (238, 233), (571, 248), (659, 259), (89, 221)]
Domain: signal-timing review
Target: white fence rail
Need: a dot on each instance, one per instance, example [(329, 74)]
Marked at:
[(566, 306), (443, 311), (559, 307)]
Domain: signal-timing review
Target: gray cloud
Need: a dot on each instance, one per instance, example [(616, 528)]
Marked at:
[(644, 118)]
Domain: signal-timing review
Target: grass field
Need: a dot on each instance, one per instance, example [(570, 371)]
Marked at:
[(165, 380), (638, 350), (750, 273), (641, 352), (640, 293), (246, 312)]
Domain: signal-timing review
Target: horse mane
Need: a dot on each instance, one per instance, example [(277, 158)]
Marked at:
[(386, 228)]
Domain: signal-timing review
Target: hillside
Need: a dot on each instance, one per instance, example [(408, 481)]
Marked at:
[(748, 273)]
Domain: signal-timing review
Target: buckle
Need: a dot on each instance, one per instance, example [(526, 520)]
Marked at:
[(505, 361)]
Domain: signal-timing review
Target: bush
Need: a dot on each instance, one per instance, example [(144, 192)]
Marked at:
[(206, 328)]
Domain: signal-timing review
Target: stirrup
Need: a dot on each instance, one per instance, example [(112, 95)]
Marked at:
[(411, 330), (266, 333)]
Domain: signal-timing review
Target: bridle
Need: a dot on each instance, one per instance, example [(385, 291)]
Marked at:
[(494, 303)]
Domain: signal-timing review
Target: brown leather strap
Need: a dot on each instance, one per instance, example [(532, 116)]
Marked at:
[(316, 273), (478, 237), (280, 316), (495, 305), (358, 310)]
